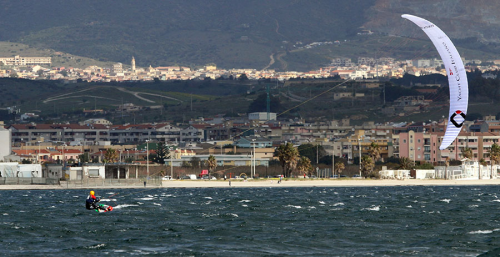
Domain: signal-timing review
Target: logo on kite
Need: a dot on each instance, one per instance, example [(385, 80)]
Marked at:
[(452, 118), (451, 73)]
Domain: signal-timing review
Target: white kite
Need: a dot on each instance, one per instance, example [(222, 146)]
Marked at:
[(457, 77)]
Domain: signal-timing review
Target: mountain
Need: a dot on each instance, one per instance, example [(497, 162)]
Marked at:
[(245, 33)]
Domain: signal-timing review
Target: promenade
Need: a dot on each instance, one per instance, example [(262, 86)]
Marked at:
[(274, 183)]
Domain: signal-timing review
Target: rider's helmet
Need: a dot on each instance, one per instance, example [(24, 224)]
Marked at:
[(91, 192)]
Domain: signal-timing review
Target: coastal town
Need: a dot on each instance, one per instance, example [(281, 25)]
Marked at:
[(244, 142), (346, 68)]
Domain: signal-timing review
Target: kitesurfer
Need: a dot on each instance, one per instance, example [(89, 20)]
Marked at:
[(92, 200)]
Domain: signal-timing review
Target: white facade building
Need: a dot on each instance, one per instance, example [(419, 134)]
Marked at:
[(5, 143), (261, 116)]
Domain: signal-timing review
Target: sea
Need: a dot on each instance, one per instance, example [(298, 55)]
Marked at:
[(299, 221)]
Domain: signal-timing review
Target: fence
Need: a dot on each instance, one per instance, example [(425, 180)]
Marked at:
[(152, 181), (28, 181)]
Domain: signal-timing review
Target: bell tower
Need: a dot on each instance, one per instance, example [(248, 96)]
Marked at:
[(133, 64)]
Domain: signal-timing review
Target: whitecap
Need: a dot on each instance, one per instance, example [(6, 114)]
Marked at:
[(473, 206), (321, 202), (96, 246), (108, 200), (146, 198), (244, 205), (481, 232), (311, 207), (110, 193), (293, 206), (76, 196), (124, 206), (157, 204), (338, 204), (445, 200), (373, 208), (245, 201), (5, 214), (496, 201), (234, 215), (409, 206), (207, 197)]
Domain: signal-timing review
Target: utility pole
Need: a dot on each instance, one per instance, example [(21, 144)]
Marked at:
[(333, 160)]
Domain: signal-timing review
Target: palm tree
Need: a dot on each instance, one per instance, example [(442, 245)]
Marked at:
[(211, 163), (483, 163), (447, 164), (288, 157), (374, 151), (405, 163), (367, 165), (110, 156), (304, 165), (339, 167), (467, 153), (494, 156)]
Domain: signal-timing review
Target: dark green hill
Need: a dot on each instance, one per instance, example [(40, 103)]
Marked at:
[(230, 33)]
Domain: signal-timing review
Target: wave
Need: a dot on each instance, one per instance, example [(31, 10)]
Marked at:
[(481, 232), (124, 206)]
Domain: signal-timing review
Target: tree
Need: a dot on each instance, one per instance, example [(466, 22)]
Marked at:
[(162, 153), (313, 152), (110, 156), (483, 164), (195, 162), (447, 164), (367, 165), (339, 167), (260, 103), (467, 153), (405, 163), (212, 163), (288, 157), (243, 77), (83, 158), (374, 151), (494, 153), (304, 165)]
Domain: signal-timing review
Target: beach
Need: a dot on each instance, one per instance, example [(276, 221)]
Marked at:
[(274, 183)]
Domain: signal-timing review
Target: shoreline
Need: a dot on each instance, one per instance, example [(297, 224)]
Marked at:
[(274, 183)]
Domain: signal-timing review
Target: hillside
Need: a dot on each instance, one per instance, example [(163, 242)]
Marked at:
[(245, 33)]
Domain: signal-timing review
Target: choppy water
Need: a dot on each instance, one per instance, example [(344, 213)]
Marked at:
[(352, 221)]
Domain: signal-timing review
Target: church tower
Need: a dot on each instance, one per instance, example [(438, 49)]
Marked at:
[(133, 64)]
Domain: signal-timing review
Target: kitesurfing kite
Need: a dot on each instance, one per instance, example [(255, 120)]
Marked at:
[(457, 77)]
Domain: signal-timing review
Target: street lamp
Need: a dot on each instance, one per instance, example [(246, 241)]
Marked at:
[(253, 169), (359, 146), (38, 155), (147, 157)]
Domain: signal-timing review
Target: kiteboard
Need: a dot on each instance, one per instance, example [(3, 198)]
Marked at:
[(104, 208)]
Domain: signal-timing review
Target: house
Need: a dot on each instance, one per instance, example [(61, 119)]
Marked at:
[(260, 142)]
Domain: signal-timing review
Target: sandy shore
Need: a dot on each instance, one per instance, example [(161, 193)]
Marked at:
[(274, 183)]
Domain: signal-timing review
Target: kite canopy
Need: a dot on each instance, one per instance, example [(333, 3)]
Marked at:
[(457, 77)]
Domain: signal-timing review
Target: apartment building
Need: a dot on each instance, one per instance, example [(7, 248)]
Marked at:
[(25, 61)]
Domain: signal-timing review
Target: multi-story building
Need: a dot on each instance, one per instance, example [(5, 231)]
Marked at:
[(25, 61), (32, 133)]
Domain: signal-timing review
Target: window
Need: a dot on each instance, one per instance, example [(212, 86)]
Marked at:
[(404, 141), (418, 140), (93, 172)]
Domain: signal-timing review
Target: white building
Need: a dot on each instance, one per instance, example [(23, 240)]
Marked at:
[(261, 116), (16, 170), (5, 145)]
